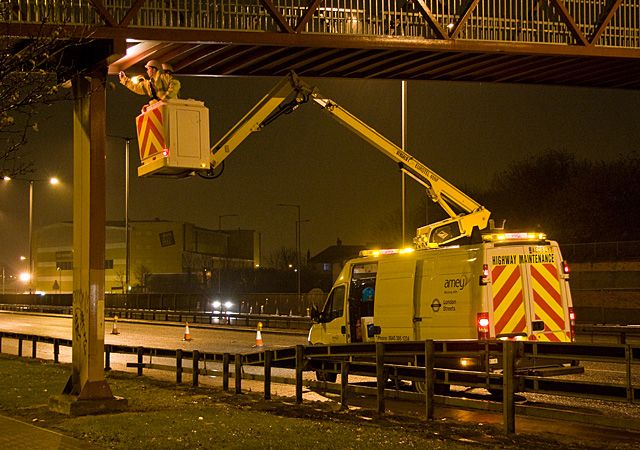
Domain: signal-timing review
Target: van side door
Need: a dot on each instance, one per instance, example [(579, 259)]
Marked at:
[(332, 329)]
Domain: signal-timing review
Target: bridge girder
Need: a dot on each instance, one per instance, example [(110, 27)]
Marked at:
[(274, 40)]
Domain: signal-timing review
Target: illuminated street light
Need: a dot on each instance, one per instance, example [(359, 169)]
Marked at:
[(25, 277), (53, 181)]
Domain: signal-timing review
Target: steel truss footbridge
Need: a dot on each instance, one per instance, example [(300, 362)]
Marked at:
[(593, 43)]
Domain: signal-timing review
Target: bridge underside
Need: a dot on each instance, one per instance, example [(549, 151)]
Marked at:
[(591, 43), (273, 54)]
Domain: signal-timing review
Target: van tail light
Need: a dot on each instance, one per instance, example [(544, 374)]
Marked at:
[(482, 323), (565, 269), (572, 324), (484, 278)]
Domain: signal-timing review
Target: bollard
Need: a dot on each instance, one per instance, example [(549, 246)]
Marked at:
[(107, 357), (56, 351), (225, 371), (428, 378), (381, 380), (299, 367), (140, 355), (178, 366), (196, 371), (344, 383), (238, 362), (508, 386), (268, 357)]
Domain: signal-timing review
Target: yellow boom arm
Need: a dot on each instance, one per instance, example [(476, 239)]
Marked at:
[(465, 214)]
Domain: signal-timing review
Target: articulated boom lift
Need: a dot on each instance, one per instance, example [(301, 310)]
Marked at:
[(465, 214)]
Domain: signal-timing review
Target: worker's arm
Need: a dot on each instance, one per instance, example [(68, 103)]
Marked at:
[(140, 88)]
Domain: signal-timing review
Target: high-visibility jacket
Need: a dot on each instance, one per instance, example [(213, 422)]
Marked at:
[(155, 88)]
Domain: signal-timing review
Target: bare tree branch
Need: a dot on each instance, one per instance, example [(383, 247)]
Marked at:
[(29, 71)]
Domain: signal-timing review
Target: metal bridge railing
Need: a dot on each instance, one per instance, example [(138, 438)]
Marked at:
[(529, 21)]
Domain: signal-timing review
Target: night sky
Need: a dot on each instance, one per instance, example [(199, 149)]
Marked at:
[(464, 131)]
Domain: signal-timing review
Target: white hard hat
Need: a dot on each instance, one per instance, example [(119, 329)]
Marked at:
[(167, 67), (153, 63)]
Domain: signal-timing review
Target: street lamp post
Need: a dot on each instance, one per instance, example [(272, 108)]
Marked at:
[(52, 180), (297, 241), (127, 235), (30, 235), (127, 142)]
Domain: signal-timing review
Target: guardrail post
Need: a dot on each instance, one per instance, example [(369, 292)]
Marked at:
[(299, 367), (508, 386), (225, 371), (428, 378), (179, 366), (196, 370), (20, 346), (628, 356), (34, 346), (344, 383), (107, 355), (140, 355), (56, 351), (268, 357), (238, 362), (381, 380)]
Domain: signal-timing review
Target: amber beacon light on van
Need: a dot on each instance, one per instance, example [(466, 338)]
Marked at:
[(386, 251), (520, 236)]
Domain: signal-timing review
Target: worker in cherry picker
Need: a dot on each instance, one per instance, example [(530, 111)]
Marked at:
[(173, 84), (154, 86)]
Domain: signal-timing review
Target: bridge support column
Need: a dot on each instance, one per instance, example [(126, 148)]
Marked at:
[(87, 391)]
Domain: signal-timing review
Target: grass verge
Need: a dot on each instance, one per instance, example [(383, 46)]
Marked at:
[(163, 415)]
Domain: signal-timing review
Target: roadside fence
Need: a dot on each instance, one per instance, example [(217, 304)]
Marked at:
[(418, 362)]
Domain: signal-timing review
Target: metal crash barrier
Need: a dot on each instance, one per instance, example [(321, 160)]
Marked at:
[(415, 361)]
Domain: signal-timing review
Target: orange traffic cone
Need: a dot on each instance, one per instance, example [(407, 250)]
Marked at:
[(187, 334), (259, 342), (114, 330)]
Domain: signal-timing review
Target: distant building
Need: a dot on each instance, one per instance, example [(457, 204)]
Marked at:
[(333, 258), (156, 247)]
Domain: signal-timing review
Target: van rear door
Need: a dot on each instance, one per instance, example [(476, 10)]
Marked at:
[(527, 295)]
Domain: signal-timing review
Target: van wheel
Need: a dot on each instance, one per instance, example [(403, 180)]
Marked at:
[(322, 375)]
